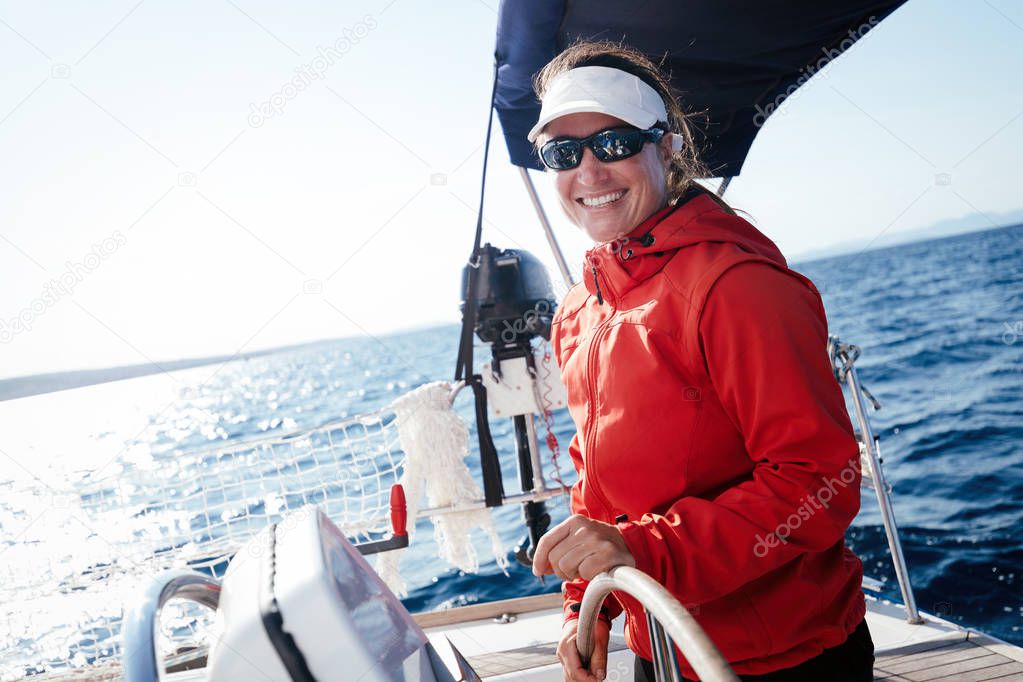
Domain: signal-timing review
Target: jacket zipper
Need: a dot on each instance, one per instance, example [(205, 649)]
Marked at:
[(590, 459), (596, 282)]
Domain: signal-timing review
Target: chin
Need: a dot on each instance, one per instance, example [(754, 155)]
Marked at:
[(600, 230), (602, 233)]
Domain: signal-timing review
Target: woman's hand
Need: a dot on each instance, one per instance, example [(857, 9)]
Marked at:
[(580, 547), (568, 652)]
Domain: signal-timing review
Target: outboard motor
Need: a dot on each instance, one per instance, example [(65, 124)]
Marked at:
[(514, 301), (513, 304)]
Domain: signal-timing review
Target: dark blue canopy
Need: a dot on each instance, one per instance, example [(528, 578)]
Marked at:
[(733, 61)]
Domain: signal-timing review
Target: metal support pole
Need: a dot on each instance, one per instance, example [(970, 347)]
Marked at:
[(665, 662), (883, 499), (672, 663), (522, 498), (534, 454), (531, 479), (725, 182), (542, 215)]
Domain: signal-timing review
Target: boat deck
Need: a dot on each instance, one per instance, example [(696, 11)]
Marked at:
[(966, 660), (515, 641), (937, 650), (970, 659)]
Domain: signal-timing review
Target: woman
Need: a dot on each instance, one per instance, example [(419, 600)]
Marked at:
[(713, 447)]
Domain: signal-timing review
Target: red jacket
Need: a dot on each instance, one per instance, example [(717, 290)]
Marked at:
[(707, 412)]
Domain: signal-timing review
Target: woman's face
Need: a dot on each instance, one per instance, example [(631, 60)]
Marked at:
[(640, 180)]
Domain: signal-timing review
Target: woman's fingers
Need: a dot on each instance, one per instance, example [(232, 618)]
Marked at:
[(595, 563), (566, 555), (598, 661), (585, 557), (580, 547), (571, 663), (549, 540)]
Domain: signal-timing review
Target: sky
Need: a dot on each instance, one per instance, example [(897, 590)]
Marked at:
[(163, 194)]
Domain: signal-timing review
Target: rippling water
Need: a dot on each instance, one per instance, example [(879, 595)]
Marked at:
[(941, 328)]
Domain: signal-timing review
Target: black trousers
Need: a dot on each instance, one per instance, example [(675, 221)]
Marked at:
[(850, 661)]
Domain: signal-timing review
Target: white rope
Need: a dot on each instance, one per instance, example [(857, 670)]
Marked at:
[(436, 442)]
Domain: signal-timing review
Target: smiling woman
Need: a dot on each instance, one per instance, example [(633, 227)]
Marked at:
[(690, 448), (605, 199), (595, 195), (685, 163)]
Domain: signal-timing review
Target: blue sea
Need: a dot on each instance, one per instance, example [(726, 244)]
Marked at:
[(940, 324)]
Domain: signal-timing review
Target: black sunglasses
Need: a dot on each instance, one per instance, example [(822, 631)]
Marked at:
[(613, 144)]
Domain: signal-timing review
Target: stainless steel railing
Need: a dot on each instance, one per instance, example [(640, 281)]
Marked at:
[(142, 659), (843, 357), (668, 620)]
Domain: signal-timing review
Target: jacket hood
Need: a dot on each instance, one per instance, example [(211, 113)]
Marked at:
[(614, 268)]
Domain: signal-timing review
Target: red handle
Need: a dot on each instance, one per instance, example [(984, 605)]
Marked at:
[(399, 515)]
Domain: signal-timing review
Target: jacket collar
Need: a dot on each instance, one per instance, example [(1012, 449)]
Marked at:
[(614, 268)]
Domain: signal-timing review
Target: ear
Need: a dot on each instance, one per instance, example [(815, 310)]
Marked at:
[(666, 148)]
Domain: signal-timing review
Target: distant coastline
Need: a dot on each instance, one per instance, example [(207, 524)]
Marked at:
[(36, 384), (940, 230)]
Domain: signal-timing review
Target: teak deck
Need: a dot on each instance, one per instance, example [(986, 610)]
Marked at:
[(954, 660), (972, 659)]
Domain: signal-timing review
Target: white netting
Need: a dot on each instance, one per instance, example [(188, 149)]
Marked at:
[(67, 574), (437, 439)]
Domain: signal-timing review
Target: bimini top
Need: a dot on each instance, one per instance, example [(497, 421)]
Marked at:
[(734, 61)]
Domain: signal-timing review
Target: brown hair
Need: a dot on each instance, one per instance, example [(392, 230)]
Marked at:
[(685, 166)]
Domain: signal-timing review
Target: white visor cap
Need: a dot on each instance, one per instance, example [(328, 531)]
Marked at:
[(604, 90)]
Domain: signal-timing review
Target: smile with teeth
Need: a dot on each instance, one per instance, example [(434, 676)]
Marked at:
[(605, 200)]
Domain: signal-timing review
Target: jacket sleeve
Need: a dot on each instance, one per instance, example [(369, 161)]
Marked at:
[(572, 590), (763, 335)]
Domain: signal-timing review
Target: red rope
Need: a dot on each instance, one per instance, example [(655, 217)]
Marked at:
[(548, 416)]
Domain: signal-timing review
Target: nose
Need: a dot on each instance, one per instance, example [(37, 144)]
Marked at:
[(591, 170)]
